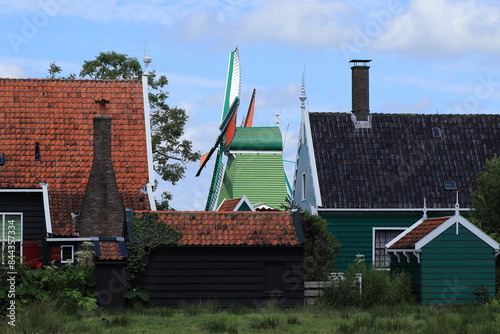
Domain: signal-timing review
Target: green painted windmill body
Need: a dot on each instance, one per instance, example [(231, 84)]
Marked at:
[(255, 167)]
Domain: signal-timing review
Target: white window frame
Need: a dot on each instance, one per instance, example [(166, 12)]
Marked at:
[(303, 188), (72, 247), (374, 233), (4, 240)]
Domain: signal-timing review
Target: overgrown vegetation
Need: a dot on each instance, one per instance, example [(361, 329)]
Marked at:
[(149, 234), (379, 288), (70, 286), (320, 248), (47, 317)]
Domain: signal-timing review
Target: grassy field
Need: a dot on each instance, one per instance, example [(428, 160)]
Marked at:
[(209, 318)]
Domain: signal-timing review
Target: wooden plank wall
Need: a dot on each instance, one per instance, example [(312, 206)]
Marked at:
[(452, 266), (243, 275), (31, 205)]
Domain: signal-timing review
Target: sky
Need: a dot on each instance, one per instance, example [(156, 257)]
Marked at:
[(428, 56)]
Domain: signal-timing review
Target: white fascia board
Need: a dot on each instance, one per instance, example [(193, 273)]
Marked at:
[(149, 144), (406, 250), (405, 232), (243, 199), (465, 223), (21, 190), (255, 152), (382, 210), (46, 208), (312, 158), (67, 239)]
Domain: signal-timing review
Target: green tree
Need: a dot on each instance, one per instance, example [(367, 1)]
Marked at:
[(320, 247), (486, 199), (53, 70), (170, 152)]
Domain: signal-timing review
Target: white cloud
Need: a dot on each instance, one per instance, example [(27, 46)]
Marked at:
[(424, 105), (12, 71), (443, 27), (310, 23)]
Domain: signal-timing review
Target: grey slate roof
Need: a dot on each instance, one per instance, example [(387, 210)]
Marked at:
[(397, 162)]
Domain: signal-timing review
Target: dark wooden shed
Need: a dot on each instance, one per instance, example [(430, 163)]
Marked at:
[(243, 258)]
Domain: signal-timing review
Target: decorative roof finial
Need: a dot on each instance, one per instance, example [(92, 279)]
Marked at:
[(424, 209), (457, 207), (303, 96), (147, 59)]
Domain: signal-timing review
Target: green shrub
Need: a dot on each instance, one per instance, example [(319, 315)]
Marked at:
[(320, 247), (379, 287), (71, 286)]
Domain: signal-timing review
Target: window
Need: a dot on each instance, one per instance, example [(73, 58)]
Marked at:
[(303, 187), (11, 234), (381, 236), (67, 252)]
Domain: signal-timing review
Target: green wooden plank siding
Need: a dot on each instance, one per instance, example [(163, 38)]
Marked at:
[(258, 176), (449, 275), (451, 267), (354, 230), (226, 191), (257, 139)]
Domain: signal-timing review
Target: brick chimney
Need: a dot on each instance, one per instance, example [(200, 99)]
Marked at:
[(360, 89), (102, 211)]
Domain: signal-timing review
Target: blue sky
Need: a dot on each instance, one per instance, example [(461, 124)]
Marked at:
[(427, 56)]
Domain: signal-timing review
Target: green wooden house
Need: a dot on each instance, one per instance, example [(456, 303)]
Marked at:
[(368, 173), (448, 258)]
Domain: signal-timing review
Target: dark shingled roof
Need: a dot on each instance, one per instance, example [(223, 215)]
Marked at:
[(398, 161)]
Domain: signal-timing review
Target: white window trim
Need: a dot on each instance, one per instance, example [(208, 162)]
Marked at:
[(72, 254), (303, 187), (374, 230), (4, 239)]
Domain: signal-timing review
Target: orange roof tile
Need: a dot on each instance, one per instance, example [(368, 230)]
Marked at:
[(109, 250), (231, 228), (58, 115), (229, 204), (409, 240)]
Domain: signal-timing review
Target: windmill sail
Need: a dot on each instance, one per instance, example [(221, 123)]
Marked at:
[(227, 127)]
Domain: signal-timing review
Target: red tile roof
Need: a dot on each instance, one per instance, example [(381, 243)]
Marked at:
[(418, 232), (58, 115), (231, 228), (109, 250), (229, 204)]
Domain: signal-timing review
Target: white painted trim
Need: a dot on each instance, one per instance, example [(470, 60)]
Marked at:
[(72, 253), (149, 144), (405, 232), (243, 199), (382, 210), (20, 190), (152, 203), (256, 152), (46, 207), (374, 229), (312, 159), (77, 239), (465, 223), (303, 187)]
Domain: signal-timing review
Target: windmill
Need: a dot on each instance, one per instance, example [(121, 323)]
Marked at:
[(254, 166), (227, 127)]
